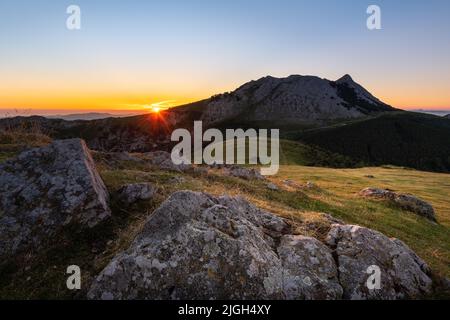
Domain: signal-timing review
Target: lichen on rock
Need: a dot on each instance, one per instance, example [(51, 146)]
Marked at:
[(45, 189)]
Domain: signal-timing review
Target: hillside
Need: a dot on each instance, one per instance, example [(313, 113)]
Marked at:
[(402, 138)]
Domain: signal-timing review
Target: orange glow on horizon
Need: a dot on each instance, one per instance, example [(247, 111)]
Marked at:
[(83, 100)]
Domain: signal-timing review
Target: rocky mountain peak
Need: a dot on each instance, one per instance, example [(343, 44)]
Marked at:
[(345, 79), (295, 98)]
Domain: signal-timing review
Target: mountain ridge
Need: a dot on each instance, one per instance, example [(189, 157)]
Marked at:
[(294, 98)]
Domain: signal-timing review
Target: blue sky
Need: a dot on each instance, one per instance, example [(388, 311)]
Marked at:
[(134, 52)]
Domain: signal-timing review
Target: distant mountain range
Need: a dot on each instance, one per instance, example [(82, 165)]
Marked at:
[(334, 117), (440, 113), (88, 116)]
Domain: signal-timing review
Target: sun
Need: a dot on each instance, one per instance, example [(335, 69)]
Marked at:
[(155, 109)]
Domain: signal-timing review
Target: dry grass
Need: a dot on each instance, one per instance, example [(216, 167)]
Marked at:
[(30, 134)]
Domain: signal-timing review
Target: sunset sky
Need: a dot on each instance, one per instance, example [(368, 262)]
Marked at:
[(131, 54)]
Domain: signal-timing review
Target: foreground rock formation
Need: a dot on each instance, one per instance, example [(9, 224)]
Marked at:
[(196, 246), (44, 189), (403, 274), (405, 201)]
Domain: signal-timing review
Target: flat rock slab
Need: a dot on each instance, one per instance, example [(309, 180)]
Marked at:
[(44, 189)]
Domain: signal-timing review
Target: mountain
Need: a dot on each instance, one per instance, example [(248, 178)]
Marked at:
[(447, 116), (298, 99), (86, 116)]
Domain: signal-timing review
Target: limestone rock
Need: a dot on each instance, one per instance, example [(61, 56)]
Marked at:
[(163, 160), (311, 185), (405, 201), (292, 184), (132, 193), (272, 186), (309, 271), (295, 98), (403, 274), (44, 189), (196, 246), (243, 173)]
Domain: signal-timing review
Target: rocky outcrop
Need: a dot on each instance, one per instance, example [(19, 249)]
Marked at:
[(295, 98), (196, 246), (243, 173), (44, 189), (163, 160), (272, 186), (403, 274), (405, 201), (132, 193), (292, 184), (308, 268), (311, 185)]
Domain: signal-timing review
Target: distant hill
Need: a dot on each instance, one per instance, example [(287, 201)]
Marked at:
[(440, 113), (87, 116), (402, 138)]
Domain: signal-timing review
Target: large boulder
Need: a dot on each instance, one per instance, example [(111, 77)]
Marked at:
[(356, 249), (196, 246), (44, 189), (405, 201)]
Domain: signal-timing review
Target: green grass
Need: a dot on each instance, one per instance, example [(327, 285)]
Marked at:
[(430, 241)]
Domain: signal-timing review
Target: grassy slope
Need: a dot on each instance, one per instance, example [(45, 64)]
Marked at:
[(44, 276), (430, 241), (338, 196), (400, 138)]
